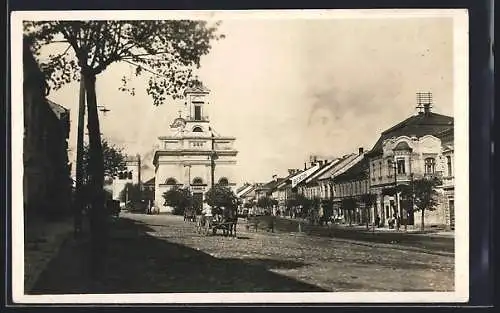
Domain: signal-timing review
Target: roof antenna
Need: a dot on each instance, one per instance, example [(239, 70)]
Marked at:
[(424, 102)]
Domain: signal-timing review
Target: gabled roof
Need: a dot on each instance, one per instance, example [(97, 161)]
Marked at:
[(322, 170), (150, 181), (245, 191), (343, 161), (270, 185), (417, 125), (245, 185), (286, 181), (357, 169)]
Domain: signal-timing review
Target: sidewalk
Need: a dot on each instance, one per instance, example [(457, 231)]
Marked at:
[(42, 243), (438, 243), (413, 230)]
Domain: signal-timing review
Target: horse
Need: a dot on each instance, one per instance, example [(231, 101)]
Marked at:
[(190, 215), (229, 221)]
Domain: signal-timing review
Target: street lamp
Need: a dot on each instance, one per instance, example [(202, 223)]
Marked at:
[(396, 200)]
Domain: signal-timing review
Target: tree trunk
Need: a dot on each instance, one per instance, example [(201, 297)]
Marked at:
[(367, 217), (79, 198), (422, 221), (98, 216)]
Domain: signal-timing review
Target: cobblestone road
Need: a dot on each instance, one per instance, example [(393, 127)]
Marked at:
[(162, 253), (328, 263)]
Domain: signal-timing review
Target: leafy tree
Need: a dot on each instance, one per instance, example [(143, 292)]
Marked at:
[(113, 156), (179, 199), (426, 196), (221, 196), (304, 202), (131, 192), (167, 50), (369, 200)]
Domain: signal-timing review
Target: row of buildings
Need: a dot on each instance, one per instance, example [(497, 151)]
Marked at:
[(420, 146)]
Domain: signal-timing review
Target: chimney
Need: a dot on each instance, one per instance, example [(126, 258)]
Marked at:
[(361, 150), (275, 177), (427, 108), (320, 162), (305, 166)]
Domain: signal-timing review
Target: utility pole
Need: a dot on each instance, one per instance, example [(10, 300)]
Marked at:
[(79, 160)]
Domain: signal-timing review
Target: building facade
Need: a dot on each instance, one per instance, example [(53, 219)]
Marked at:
[(353, 183), (193, 152), (47, 183), (131, 175), (410, 150)]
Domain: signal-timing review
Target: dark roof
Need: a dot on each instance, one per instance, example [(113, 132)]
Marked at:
[(416, 125), (242, 187), (403, 145), (150, 181), (357, 171), (271, 185)]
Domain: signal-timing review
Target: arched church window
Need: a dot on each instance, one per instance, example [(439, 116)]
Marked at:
[(197, 181), (197, 129), (223, 181), (171, 181)]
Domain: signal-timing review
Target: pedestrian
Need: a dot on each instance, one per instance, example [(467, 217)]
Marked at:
[(377, 221)]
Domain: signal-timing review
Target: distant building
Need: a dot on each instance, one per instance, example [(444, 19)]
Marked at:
[(409, 150), (184, 157), (352, 181), (47, 182), (131, 175)]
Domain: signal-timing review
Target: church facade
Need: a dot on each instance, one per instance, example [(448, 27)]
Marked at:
[(193, 155)]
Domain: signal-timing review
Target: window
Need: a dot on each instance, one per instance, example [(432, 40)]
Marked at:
[(389, 168), (379, 169), (373, 169), (448, 162), (197, 113), (430, 165), (400, 164), (171, 181), (197, 129)]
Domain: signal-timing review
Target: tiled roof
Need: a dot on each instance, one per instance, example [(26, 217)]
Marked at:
[(270, 185), (345, 160), (356, 170), (417, 125)]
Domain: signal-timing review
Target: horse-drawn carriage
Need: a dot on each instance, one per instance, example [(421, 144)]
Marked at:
[(225, 219)]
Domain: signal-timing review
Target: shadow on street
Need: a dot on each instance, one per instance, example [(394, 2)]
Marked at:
[(140, 263)]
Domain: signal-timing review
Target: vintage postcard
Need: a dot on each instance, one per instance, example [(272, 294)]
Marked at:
[(275, 156)]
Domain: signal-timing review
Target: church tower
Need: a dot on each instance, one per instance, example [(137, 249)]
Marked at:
[(193, 155)]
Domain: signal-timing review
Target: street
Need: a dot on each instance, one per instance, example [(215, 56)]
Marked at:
[(163, 253)]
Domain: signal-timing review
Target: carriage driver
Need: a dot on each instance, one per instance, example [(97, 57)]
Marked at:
[(206, 213)]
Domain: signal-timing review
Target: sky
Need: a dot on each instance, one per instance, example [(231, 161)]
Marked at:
[(287, 89)]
